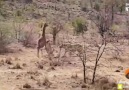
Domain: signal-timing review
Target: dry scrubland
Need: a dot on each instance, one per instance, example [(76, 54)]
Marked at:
[(21, 23)]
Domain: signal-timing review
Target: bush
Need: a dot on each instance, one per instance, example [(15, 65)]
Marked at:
[(25, 33), (9, 35), (114, 29), (13, 32), (6, 37), (79, 25), (97, 6), (84, 5), (28, 39)]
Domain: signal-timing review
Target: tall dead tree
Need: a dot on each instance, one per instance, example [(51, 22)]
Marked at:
[(81, 27), (103, 23), (56, 29), (112, 10)]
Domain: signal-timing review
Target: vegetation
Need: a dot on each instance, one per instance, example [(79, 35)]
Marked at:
[(95, 23), (6, 37), (79, 25)]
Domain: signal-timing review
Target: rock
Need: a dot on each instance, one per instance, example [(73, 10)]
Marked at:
[(26, 86), (8, 60), (120, 67), (85, 86), (117, 71), (17, 66)]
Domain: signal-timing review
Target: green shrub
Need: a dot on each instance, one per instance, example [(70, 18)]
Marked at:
[(3, 11), (114, 29), (97, 6), (84, 5), (80, 25), (6, 37), (29, 38)]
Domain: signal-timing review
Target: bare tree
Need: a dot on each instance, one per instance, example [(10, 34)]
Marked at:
[(103, 23), (17, 28), (91, 3), (80, 27), (99, 55), (83, 57), (56, 29), (127, 23)]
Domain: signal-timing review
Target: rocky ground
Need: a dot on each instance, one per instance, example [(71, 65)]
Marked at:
[(23, 70)]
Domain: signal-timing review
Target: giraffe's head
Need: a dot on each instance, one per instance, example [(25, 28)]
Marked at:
[(47, 41), (45, 25)]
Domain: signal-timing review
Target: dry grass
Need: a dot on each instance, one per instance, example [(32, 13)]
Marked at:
[(105, 84), (75, 76), (39, 65), (2, 62), (59, 74), (44, 82), (55, 63), (8, 60), (17, 66)]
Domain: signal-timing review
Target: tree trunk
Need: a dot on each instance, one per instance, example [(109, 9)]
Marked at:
[(94, 74), (121, 10), (54, 39), (112, 14), (99, 55), (91, 3), (84, 72)]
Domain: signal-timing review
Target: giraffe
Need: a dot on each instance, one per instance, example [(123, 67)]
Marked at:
[(49, 49), (42, 40)]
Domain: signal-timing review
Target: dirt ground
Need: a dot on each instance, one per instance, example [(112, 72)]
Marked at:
[(23, 69)]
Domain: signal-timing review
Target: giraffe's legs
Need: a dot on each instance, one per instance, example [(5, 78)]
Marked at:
[(38, 52), (59, 55), (64, 54), (42, 52)]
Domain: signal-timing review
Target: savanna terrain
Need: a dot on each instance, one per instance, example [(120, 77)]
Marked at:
[(86, 47)]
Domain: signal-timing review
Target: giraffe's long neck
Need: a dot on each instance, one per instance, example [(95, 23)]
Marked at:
[(43, 34)]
